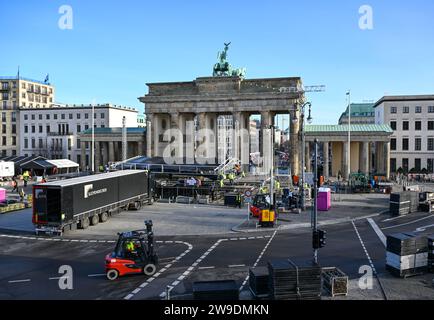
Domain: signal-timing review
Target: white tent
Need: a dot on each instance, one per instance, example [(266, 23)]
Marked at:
[(66, 164)]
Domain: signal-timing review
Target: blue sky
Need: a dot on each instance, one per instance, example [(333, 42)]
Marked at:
[(116, 47)]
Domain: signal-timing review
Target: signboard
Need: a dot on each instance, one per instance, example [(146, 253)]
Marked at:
[(248, 194)]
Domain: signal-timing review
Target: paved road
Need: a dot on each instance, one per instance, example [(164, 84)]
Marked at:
[(30, 265)]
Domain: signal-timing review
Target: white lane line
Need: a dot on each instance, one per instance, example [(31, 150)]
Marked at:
[(406, 224), (377, 230), (369, 259), (96, 275), (236, 265), (143, 285), (200, 268), (259, 258), (19, 281), (54, 278)]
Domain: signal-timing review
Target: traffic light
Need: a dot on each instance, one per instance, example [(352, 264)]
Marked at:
[(318, 239), (322, 238)]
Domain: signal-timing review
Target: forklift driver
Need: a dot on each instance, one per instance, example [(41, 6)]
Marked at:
[(130, 249)]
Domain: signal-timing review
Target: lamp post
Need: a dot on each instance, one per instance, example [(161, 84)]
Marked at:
[(349, 136), (93, 137), (303, 160), (315, 203)]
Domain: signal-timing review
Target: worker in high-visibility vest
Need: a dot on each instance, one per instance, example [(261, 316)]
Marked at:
[(222, 183), (277, 185)]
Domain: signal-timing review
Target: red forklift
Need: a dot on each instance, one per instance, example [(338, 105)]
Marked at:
[(263, 210), (134, 254)]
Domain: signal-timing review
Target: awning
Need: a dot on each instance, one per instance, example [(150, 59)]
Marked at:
[(37, 164), (63, 163)]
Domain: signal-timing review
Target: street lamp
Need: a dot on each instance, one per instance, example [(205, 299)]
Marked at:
[(303, 160)]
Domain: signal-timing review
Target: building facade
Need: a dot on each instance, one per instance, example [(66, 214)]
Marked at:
[(412, 121), (15, 93), (361, 113), (53, 132)]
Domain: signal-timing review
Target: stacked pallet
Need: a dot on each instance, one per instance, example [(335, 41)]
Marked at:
[(215, 290), (406, 255), (414, 201), (291, 280), (335, 281), (258, 282), (431, 253), (400, 203)]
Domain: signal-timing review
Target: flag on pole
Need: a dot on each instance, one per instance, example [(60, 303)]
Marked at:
[(18, 74), (47, 78)]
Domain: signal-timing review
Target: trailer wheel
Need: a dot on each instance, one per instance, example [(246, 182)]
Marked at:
[(112, 274), (94, 220), (150, 269), (103, 217), (151, 201), (84, 223)]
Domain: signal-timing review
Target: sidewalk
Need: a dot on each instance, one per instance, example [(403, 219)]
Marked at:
[(344, 209)]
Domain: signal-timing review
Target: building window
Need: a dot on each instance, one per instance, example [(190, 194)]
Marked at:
[(393, 144), (430, 163), (4, 129), (55, 116), (418, 164), (78, 128), (14, 141), (41, 129), (5, 85), (41, 144), (48, 129), (406, 110), (47, 117), (418, 109), (430, 109), (26, 143), (5, 96), (430, 144), (69, 144), (405, 144), (4, 116), (393, 125), (102, 115), (86, 127), (393, 164), (14, 129), (33, 129), (418, 144), (40, 117), (5, 105), (86, 115), (33, 117), (70, 116), (430, 125), (3, 141), (62, 116), (78, 116), (26, 117), (102, 125), (26, 129), (14, 116), (405, 125), (79, 159), (405, 164), (78, 144), (418, 125), (33, 143)]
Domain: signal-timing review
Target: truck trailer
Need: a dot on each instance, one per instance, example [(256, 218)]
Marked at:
[(65, 205)]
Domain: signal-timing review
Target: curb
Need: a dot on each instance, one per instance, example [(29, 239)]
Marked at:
[(307, 224)]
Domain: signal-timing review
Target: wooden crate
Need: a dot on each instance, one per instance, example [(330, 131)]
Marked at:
[(335, 281)]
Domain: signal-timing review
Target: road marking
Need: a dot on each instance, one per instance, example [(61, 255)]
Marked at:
[(377, 230), (259, 258), (406, 224), (96, 275), (200, 268), (19, 281), (422, 229), (369, 259), (236, 265), (143, 285)]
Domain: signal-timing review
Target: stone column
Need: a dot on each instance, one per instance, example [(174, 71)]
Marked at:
[(364, 167), (307, 162), (149, 135), (245, 141), (326, 160), (97, 156), (237, 116), (177, 136), (156, 135), (140, 148), (111, 152), (202, 143), (387, 159), (83, 155), (345, 168), (295, 143), (379, 156), (265, 145), (214, 137)]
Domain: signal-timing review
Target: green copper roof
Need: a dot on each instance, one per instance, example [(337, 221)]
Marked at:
[(114, 130), (361, 110), (354, 128)]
